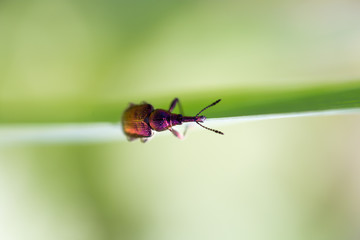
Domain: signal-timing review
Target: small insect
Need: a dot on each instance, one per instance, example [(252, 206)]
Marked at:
[(139, 121)]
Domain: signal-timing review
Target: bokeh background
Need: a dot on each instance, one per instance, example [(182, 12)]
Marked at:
[(81, 61)]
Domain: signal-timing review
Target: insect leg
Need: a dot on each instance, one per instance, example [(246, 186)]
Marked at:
[(144, 140), (173, 104), (176, 133)]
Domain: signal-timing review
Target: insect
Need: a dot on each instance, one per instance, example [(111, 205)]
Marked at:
[(139, 121)]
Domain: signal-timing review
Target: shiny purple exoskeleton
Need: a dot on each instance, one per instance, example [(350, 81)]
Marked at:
[(139, 121)]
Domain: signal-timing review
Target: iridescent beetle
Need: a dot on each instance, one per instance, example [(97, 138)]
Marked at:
[(139, 121)]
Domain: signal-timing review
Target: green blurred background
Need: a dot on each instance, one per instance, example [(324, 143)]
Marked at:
[(83, 61)]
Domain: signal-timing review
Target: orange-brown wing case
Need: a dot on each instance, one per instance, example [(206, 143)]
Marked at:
[(134, 121)]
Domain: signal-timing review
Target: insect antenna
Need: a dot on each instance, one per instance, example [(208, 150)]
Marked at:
[(214, 130), (210, 129), (214, 103)]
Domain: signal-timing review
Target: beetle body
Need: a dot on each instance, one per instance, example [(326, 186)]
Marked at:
[(139, 121)]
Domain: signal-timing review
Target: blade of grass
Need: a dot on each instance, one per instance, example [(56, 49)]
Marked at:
[(246, 103), (235, 102), (105, 132)]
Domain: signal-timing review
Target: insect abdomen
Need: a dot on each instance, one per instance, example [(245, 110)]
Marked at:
[(135, 121)]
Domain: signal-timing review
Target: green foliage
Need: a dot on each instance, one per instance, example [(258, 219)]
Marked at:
[(235, 102)]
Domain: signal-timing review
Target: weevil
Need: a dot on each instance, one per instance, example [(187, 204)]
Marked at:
[(141, 120)]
